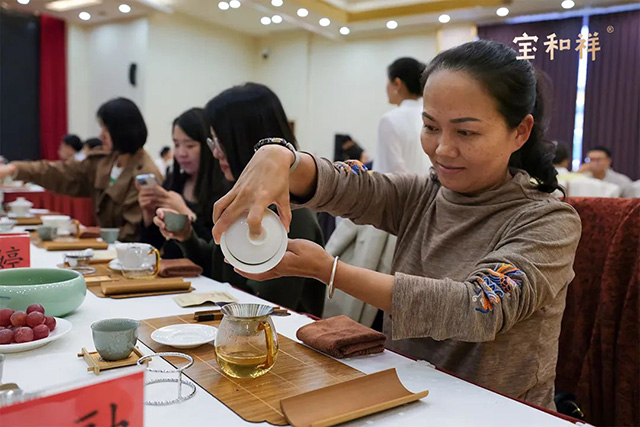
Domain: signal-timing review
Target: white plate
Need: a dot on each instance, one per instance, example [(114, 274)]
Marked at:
[(184, 335), (62, 327)]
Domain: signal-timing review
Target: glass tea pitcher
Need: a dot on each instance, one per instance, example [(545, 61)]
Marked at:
[(246, 343)]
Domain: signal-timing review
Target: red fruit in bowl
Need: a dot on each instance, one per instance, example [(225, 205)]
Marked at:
[(5, 316), (35, 307), (6, 336), (19, 318), (40, 331), (35, 318), (24, 334), (50, 322)]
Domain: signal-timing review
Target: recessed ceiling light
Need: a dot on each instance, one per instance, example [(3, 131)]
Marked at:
[(392, 25), (124, 8), (223, 5), (276, 3), (24, 1), (502, 11), (444, 18), (345, 31), (302, 12), (324, 22), (234, 4), (276, 19), (64, 5), (265, 20), (85, 16), (568, 4)]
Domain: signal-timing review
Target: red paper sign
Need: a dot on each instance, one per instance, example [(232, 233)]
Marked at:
[(117, 402), (15, 250)]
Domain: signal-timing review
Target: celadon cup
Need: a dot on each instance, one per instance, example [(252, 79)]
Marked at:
[(115, 339), (58, 290)]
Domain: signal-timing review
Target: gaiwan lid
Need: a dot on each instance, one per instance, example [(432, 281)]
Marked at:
[(255, 255), (20, 201)]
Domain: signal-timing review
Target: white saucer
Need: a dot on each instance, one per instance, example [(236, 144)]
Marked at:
[(14, 215), (62, 327), (184, 335), (115, 265)]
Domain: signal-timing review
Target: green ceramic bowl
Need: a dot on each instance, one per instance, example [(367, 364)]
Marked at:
[(59, 291)]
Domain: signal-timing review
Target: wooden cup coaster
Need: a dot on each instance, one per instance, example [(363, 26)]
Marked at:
[(97, 364)]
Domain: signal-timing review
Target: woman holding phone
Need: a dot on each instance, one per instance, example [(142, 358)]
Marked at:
[(107, 176), (190, 189)]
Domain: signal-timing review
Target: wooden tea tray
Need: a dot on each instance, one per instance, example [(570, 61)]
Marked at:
[(72, 244), (298, 369), (104, 274)]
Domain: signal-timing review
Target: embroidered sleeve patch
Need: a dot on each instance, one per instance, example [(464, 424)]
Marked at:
[(490, 289), (351, 166)]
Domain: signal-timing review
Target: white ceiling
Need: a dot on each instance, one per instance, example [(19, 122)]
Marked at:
[(247, 18)]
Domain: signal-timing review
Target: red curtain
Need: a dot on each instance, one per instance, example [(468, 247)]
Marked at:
[(53, 85)]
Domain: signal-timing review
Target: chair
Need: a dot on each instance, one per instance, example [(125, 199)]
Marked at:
[(599, 349)]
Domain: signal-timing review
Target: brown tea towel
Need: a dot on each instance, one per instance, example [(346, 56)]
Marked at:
[(182, 267), (90, 233), (342, 337)]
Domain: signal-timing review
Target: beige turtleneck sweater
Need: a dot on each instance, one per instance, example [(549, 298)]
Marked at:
[(480, 281)]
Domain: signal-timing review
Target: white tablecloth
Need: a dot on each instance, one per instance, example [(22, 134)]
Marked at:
[(451, 402)]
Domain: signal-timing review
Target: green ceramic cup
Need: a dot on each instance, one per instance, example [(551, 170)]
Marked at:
[(109, 235), (115, 338), (58, 290), (175, 222)]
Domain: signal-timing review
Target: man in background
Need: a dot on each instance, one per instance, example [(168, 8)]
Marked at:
[(577, 184), (598, 165), (71, 147)]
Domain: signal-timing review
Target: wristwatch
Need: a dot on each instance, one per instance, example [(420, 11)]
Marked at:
[(283, 142)]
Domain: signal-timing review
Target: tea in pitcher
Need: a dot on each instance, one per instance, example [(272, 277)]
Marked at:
[(244, 364)]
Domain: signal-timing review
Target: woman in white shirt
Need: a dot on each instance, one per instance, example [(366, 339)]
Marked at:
[(398, 148)]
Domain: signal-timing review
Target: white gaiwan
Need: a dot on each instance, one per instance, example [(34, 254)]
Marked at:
[(20, 206), (255, 255)]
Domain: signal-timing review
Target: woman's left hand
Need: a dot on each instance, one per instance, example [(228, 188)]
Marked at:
[(172, 200), (303, 258)]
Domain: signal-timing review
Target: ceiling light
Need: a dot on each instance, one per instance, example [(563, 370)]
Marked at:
[(345, 31), (444, 18), (64, 5), (24, 1), (502, 11), (302, 12), (392, 25), (234, 4), (324, 22), (265, 20), (568, 4), (124, 8), (223, 5), (85, 16), (276, 3), (276, 19)]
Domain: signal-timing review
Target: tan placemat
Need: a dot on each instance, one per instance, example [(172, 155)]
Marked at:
[(298, 369)]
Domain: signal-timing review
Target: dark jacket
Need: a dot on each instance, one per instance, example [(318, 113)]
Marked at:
[(300, 294)]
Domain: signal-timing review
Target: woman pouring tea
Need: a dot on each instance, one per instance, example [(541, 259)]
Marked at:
[(484, 253)]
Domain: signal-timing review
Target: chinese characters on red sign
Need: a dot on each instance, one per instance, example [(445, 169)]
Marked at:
[(527, 46), (14, 250)]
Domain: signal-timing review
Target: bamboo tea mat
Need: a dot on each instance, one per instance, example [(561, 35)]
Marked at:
[(298, 369)]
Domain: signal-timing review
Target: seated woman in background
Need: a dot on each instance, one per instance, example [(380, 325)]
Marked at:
[(107, 176), (484, 253), (239, 118), (195, 182), (91, 145), (71, 148)]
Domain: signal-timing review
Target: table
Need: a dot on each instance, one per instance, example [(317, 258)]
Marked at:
[(80, 208), (451, 402)]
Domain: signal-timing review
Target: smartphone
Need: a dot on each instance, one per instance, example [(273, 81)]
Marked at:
[(147, 180)]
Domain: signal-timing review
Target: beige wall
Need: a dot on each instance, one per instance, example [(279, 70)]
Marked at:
[(326, 86)]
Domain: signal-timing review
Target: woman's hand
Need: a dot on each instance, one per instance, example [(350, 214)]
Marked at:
[(7, 170), (303, 258), (172, 200), (148, 204), (180, 236), (265, 181)]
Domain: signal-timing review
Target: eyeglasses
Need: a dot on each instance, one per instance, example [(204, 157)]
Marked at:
[(214, 144)]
